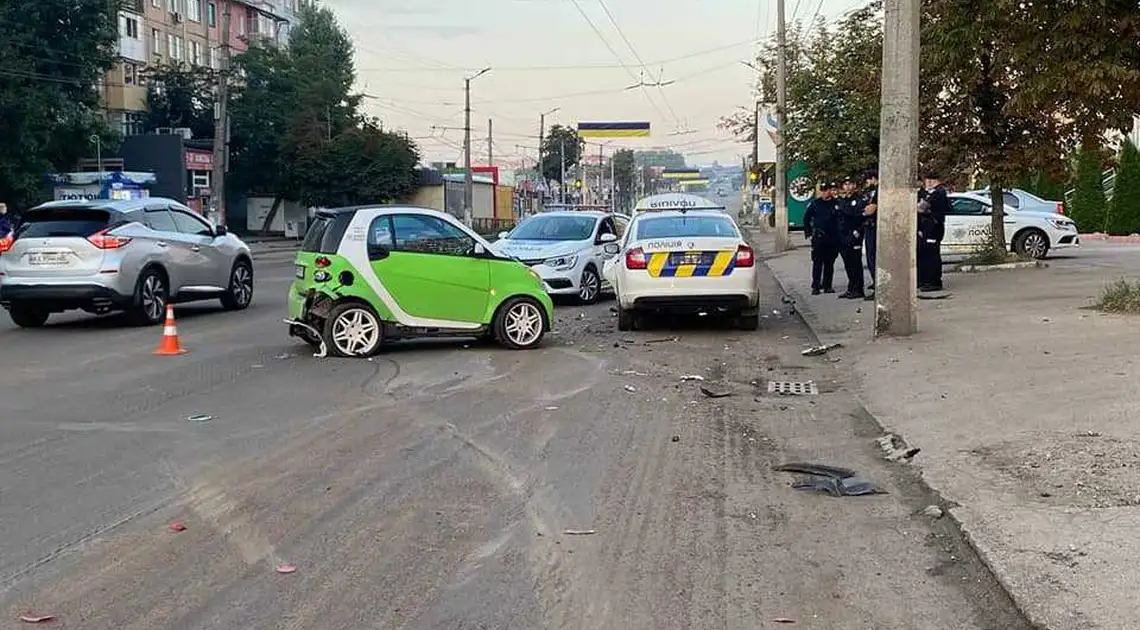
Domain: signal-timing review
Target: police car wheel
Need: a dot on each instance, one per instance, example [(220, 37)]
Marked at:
[(748, 322), (627, 319)]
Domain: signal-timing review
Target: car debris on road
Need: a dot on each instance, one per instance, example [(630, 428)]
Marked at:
[(838, 482)]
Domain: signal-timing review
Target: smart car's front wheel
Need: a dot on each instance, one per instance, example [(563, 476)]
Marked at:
[(519, 324), (353, 330)]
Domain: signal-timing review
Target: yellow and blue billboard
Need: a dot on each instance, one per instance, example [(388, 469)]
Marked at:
[(613, 129)]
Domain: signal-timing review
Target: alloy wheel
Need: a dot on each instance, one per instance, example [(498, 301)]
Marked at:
[(1035, 245), (590, 286), (355, 331), (523, 324), (242, 283), (153, 297)]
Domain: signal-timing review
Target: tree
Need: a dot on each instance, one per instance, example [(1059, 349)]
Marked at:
[(1089, 208), (181, 95), (558, 140), (625, 177), (49, 108), (361, 165), (1124, 212)]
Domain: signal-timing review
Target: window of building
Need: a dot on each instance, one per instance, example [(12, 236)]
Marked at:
[(199, 179), (195, 10), (241, 23), (131, 123), (156, 3), (212, 57), (196, 53), (155, 42), (212, 14), (130, 73), (177, 48), (129, 27)]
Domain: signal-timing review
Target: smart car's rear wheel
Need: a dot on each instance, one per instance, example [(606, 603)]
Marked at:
[(589, 286), (353, 330), (28, 316), (519, 324), (240, 292)]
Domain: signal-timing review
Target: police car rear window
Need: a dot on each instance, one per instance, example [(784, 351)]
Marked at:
[(682, 226)]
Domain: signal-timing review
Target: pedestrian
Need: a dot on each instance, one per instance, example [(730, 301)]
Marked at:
[(871, 221), (6, 226), (850, 222), (822, 228), (933, 206)]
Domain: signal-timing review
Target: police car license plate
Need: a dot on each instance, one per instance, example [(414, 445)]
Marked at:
[(690, 259)]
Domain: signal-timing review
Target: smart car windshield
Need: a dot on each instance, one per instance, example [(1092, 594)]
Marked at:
[(685, 226), (554, 228)]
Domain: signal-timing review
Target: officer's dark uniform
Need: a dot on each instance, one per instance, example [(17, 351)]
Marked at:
[(850, 223), (822, 227), (933, 206), (871, 227)]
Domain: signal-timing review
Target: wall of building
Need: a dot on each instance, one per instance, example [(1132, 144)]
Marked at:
[(428, 197)]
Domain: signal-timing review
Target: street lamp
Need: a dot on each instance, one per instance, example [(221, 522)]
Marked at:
[(468, 178)]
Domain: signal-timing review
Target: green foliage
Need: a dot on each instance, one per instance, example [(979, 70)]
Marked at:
[(1045, 185), (560, 138), (1124, 212), (662, 158), (52, 54), (1089, 207), (1122, 297), (181, 95), (297, 128), (625, 177)]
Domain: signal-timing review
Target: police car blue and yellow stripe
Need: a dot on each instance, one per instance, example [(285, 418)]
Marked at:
[(711, 265)]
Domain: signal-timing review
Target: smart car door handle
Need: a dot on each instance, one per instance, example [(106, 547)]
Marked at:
[(161, 243), (195, 248)]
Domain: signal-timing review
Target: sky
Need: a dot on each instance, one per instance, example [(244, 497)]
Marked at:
[(584, 57)]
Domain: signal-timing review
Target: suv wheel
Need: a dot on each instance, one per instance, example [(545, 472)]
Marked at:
[(28, 316), (240, 292), (150, 299)]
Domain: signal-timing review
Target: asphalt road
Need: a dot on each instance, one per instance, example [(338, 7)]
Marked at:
[(436, 486)]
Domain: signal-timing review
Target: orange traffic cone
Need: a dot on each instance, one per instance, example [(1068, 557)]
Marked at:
[(169, 344)]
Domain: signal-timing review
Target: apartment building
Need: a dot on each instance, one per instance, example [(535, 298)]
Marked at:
[(157, 32)]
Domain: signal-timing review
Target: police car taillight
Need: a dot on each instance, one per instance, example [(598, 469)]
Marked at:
[(635, 259), (745, 257)]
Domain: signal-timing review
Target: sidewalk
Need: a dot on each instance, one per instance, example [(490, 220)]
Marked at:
[(1025, 408)]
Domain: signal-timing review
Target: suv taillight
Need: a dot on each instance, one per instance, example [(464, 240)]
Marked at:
[(6, 243), (103, 240), (745, 257), (635, 259)]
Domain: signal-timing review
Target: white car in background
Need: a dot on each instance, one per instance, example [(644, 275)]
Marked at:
[(567, 249), (1027, 232), (685, 261)]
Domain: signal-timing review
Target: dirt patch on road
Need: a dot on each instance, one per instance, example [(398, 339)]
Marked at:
[(1076, 469)]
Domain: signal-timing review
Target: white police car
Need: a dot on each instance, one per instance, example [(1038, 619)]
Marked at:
[(566, 249), (1027, 232), (686, 261)]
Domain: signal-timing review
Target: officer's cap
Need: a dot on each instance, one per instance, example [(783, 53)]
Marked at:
[(931, 175), (871, 174)]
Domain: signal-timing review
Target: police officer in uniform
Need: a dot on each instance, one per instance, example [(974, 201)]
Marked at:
[(871, 221), (933, 206), (821, 226), (851, 222)]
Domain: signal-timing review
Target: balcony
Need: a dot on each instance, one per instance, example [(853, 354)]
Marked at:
[(133, 49), (125, 97)]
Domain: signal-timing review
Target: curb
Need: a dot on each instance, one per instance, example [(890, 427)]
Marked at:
[(1108, 238), (811, 320), (1029, 264)]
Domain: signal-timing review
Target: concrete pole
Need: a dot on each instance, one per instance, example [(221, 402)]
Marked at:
[(490, 143), (601, 161), (613, 184), (222, 121), (896, 305), (562, 176), (782, 242), (468, 177), (541, 133)]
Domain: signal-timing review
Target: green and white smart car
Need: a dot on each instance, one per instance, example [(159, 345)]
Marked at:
[(375, 273)]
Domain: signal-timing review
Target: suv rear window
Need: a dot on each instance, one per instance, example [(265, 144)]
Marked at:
[(53, 222)]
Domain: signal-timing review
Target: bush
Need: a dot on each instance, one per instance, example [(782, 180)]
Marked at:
[(1090, 208), (1121, 296), (1124, 211), (984, 253)]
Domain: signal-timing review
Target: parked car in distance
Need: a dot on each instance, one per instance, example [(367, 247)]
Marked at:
[(1029, 233), (133, 255), (567, 249), (1018, 200)]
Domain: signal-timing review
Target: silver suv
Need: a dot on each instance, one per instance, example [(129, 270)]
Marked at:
[(129, 255)]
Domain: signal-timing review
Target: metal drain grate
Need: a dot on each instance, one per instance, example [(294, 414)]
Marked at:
[(789, 388)]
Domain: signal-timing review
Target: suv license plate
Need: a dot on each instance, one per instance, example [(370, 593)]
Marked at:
[(300, 272), (47, 259)]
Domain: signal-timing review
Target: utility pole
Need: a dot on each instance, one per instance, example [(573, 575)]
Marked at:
[(601, 162), (613, 183), (782, 242), (222, 123), (468, 177), (562, 180), (490, 143), (896, 304)]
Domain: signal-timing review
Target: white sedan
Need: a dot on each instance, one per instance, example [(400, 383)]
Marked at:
[(1027, 232), (567, 249), (687, 261)]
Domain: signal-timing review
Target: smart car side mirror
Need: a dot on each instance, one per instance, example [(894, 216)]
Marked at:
[(608, 238), (503, 234), (376, 252)]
